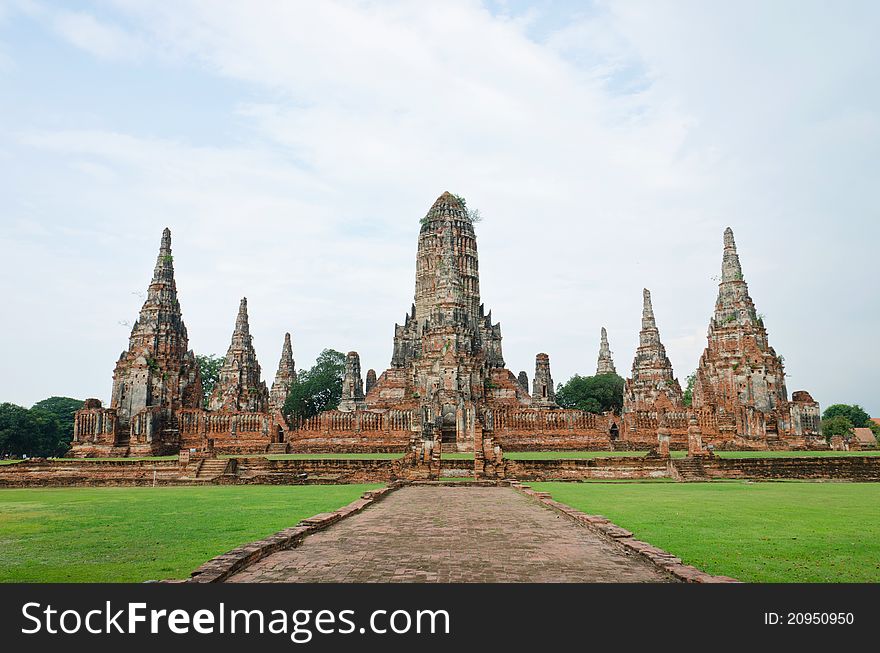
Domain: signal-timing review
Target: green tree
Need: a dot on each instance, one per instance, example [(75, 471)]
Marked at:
[(209, 368), (688, 397), (64, 409), (855, 414), (317, 389), (34, 432), (594, 394), (837, 425)]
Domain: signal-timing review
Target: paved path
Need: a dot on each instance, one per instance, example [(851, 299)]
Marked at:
[(454, 535)]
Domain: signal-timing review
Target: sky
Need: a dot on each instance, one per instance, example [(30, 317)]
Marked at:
[(292, 148)]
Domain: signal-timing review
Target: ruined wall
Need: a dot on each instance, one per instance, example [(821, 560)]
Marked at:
[(355, 431), (827, 468), (622, 467)]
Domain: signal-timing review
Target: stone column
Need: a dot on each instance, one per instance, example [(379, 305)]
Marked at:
[(663, 434), (695, 437)]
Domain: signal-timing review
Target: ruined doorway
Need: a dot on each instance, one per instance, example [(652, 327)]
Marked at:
[(614, 432)]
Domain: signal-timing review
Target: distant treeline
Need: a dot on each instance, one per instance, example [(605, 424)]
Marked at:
[(45, 429)]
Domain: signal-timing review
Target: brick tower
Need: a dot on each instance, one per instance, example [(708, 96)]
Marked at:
[(158, 369), (653, 385), (239, 387)]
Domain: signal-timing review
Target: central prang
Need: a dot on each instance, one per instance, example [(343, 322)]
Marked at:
[(447, 354)]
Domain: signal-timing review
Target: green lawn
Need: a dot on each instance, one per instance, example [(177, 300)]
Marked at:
[(756, 532), (327, 456), (558, 455), (137, 534), (792, 454)]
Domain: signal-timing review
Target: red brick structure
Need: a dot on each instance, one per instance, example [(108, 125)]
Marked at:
[(154, 379), (740, 380), (239, 385), (447, 386)]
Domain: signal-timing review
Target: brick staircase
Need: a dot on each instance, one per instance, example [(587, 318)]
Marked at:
[(277, 447), (689, 470), (211, 468)]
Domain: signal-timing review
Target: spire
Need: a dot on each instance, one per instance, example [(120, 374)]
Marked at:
[(652, 375), (730, 266), (647, 310), (285, 377), (241, 321), (733, 306), (239, 386), (164, 270), (606, 363), (286, 353), (158, 336)]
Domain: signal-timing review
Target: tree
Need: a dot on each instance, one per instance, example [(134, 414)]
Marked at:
[(209, 368), (855, 414), (64, 409), (688, 397), (34, 432), (837, 425), (317, 389), (594, 394)]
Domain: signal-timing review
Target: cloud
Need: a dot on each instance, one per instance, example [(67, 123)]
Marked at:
[(607, 150)]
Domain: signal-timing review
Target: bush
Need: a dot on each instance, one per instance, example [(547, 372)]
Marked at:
[(594, 394)]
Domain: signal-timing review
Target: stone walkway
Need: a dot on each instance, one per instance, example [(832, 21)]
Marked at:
[(454, 535)]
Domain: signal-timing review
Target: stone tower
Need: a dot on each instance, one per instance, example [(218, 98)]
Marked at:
[(606, 364), (371, 380), (543, 392), (653, 385), (352, 384), (285, 377), (447, 314), (158, 369), (447, 346), (447, 359), (239, 387), (523, 380), (739, 369)]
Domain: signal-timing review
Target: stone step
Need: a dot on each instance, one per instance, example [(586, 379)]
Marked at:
[(212, 468)]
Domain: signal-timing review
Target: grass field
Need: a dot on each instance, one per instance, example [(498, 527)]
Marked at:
[(137, 534), (756, 532), (324, 456), (557, 455)]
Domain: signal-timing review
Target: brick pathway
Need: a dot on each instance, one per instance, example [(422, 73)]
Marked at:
[(454, 535)]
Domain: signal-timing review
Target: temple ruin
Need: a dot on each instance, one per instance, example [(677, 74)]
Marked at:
[(740, 378), (447, 386)]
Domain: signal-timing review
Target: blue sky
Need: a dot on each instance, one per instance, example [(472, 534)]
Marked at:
[(293, 147)]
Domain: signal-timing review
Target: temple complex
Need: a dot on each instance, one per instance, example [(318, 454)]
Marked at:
[(239, 387), (605, 364), (447, 386), (653, 385), (740, 378)]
